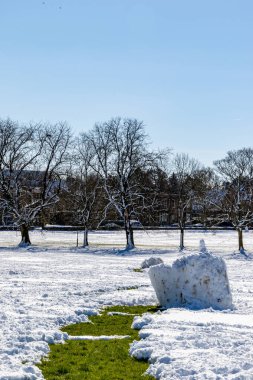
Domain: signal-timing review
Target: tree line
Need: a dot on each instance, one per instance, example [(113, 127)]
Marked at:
[(110, 174)]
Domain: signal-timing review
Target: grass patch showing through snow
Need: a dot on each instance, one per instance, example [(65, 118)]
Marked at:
[(98, 360), (138, 270)]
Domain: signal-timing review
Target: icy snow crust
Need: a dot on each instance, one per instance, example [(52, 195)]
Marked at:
[(198, 280), (45, 287)]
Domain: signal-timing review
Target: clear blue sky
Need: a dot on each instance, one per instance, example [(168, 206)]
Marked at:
[(184, 67)]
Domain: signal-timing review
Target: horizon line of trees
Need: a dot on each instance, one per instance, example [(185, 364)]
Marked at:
[(109, 173)]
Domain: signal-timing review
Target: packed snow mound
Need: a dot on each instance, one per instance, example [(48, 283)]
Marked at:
[(150, 262), (198, 280), (202, 246)]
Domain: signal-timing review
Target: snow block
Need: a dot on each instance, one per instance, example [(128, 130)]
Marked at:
[(150, 262), (198, 280)]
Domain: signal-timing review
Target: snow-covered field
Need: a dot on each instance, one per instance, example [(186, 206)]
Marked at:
[(52, 283)]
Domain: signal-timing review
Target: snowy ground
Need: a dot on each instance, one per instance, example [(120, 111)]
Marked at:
[(53, 283)]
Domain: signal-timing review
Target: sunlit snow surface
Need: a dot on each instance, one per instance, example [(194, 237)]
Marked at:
[(52, 283)]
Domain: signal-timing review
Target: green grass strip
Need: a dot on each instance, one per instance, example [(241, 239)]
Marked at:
[(98, 360)]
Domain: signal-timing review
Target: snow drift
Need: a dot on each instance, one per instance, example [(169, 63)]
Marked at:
[(199, 280)]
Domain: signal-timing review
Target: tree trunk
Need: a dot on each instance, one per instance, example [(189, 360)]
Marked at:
[(129, 231), (85, 237), (25, 239), (129, 234), (240, 240), (129, 237), (181, 239)]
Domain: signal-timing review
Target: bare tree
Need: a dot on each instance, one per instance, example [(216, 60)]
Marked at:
[(54, 161), (185, 168), (83, 187), (235, 194), (120, 148), (31, 160)]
